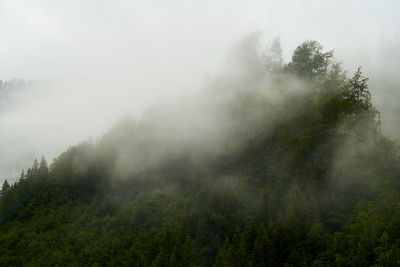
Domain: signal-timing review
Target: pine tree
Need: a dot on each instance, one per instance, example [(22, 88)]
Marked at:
[(22, 177), (35, 169), (5, 188), (28, 173), (43, 169)]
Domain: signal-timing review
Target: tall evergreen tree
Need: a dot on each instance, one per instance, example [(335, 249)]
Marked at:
[(5, 188), (22, 176), (28, 173), (43, 169), (35, 169)]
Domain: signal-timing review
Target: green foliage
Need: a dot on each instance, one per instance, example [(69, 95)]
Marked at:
[(5, 188), (308, 60), (302, 180)]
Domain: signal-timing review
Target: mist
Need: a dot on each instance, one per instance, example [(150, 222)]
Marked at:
[(96, 62), (180, 133)]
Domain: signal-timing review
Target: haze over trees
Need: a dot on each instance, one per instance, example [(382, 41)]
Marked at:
[(276, 164)]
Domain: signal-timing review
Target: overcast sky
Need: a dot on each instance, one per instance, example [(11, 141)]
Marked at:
[(97, 61)]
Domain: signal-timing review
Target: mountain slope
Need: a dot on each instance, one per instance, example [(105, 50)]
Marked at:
[(274, 164)]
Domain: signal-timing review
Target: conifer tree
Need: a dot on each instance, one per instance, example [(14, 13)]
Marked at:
[(5, 188), (28, 173), (35, 169), (43, 169), (22, 177)]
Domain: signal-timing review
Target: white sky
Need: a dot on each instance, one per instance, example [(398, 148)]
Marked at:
[(100, 60)]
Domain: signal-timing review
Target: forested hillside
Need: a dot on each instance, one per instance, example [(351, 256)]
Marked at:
[(273, 164)]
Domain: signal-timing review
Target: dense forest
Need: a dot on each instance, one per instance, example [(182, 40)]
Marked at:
[(272, 164)]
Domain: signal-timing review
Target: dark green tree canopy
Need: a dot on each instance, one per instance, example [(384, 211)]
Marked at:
[(302, 179), (5, 188), (309, 61), (43, 169)]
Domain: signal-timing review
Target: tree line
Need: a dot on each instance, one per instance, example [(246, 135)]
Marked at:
[(307, 179)]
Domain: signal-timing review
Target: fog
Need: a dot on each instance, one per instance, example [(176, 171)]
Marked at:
[(94, 62)]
